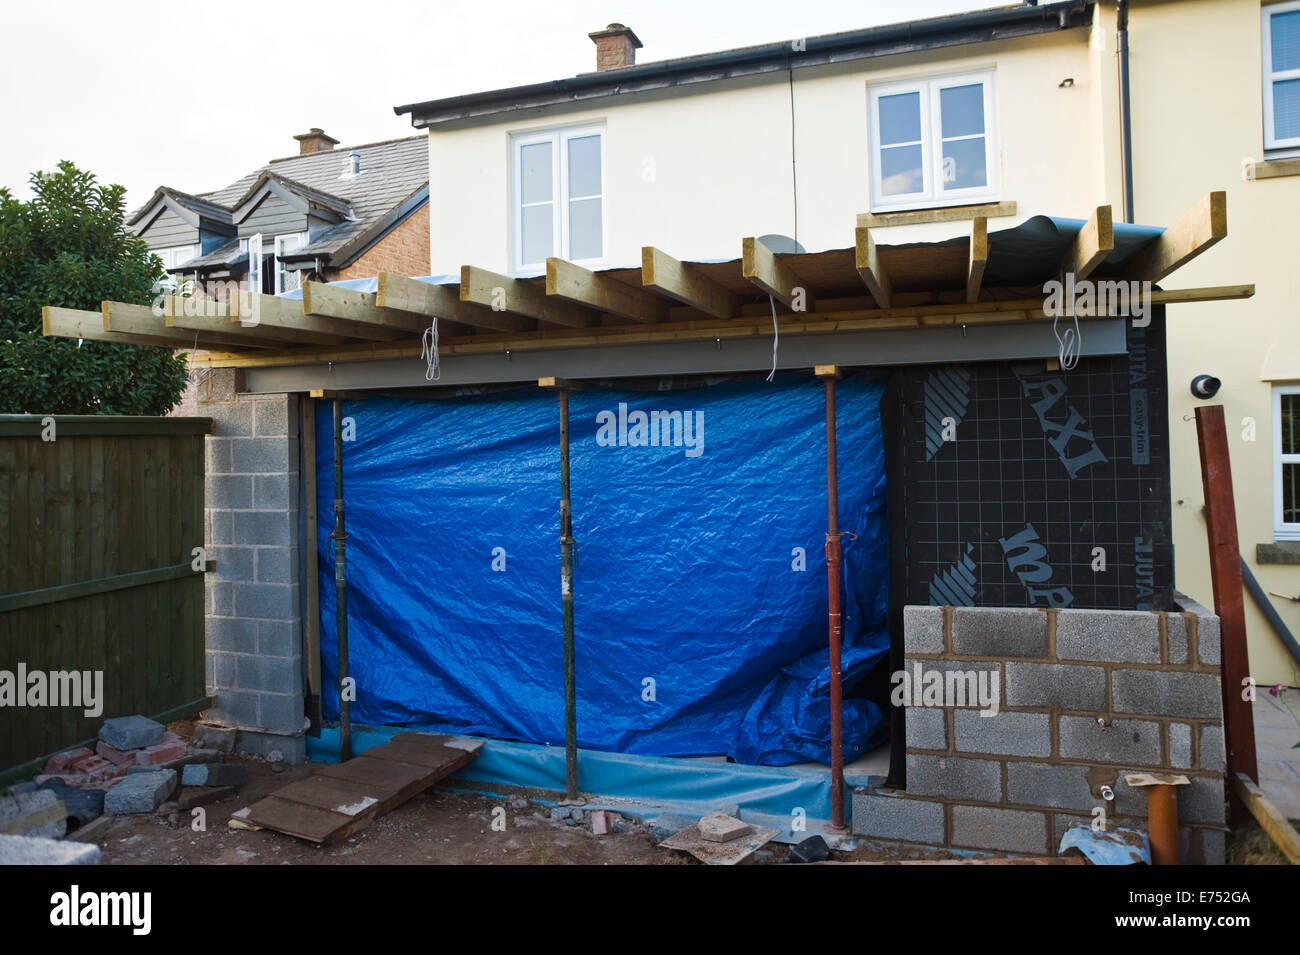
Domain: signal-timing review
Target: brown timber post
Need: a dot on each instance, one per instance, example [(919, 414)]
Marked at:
[(1225, 576)]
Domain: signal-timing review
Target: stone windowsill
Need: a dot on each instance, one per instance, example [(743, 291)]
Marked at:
[(1271, 168), (1278, 552)]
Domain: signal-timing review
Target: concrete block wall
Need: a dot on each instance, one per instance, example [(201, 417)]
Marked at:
[(1084, 698), (254, 597)]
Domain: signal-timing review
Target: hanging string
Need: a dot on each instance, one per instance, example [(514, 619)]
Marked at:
[(429, 352), (1071, 341), (776, 336)]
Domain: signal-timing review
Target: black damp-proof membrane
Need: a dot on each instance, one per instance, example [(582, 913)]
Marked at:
[(1020, 486)]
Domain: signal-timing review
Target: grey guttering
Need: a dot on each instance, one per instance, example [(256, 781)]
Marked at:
[(977, 27)]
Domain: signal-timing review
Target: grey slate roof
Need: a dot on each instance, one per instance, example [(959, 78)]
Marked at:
[(196, 204), (393, 174), (223, 256)]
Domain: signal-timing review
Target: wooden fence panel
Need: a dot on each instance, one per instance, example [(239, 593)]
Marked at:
[(99, 527)]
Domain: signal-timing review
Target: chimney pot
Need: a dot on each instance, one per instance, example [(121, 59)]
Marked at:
[(616, 47), (315, 141)]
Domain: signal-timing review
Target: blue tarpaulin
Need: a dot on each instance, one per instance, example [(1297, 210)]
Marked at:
[(700, 582)]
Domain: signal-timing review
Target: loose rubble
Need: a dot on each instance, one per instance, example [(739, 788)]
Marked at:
[(135, 766)]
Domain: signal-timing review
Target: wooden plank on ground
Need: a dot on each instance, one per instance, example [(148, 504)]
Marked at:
[(343, 797), (1269, 817)]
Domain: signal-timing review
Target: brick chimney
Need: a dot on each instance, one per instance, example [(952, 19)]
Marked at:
[(315, 141), (616, 47)]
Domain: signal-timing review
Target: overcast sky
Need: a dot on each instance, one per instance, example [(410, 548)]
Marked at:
[(194, 95)]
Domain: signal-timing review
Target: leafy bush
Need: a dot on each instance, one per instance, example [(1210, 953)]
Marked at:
[(69, 246)]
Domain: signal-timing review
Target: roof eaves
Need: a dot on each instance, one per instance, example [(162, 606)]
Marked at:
[(958, 29)]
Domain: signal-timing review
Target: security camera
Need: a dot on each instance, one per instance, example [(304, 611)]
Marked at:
[(1205, 386)]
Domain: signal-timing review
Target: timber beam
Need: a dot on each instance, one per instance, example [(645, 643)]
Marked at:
[(581, 286), (661, 273), (503, 294), (867, 260), (442, 302), (1095, 241), (978, 259), (1200, 228), (286, 313), (212, 317), (760, 265), (350, 305)]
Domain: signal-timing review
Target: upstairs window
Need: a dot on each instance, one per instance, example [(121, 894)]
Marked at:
[(174, 256), (1286, 460), (933, 142), (1281, 33), (286, 280), (558, 197)]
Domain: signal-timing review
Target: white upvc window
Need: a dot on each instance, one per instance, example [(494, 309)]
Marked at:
[(1280, 30), (175, 255), (286, 280), (1286, 461), (557, 197), (933, 142)]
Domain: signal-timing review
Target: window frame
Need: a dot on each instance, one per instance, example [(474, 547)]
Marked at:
[(169, 257), (278, 266), (1269, 76), (559, 138), (1281, 529), (932, 195)]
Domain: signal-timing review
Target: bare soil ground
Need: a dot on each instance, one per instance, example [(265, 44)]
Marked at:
[(440, 826), (436, 827)]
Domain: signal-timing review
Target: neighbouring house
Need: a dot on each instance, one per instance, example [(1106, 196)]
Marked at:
[(326, 214), (734, 267)]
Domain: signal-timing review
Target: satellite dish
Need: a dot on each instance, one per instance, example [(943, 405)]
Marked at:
[(781, 244)]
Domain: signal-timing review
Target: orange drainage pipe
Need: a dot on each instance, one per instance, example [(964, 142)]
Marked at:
[(834, 551), (1162, 814)]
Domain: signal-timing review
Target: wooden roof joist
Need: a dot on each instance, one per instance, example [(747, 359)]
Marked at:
[(504, 294), (1200, 228), (1095, 241), (707, 330), (661, 273), (140, 321), (774, 276), (580, 286), (360, 308), (214, 318), (979, 257), (867, 261), (980, 278), (274, 314), (442, 301)]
